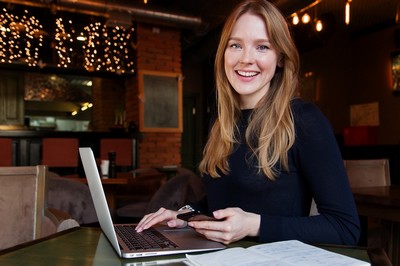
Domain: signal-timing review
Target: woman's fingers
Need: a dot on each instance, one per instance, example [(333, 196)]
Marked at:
[(236, 224), (151, 219), (159, 216)]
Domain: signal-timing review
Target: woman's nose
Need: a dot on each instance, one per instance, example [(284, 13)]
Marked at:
[(247, 57)]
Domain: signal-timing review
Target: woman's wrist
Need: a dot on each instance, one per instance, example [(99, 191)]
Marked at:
[(254, 224)]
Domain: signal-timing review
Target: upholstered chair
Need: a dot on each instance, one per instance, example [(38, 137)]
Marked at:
[(23, 206), (71, 197), (184, 188)]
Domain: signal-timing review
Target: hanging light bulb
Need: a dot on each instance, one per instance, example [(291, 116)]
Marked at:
[(306, 18), (347, 12), (318, 25), (295, 19)]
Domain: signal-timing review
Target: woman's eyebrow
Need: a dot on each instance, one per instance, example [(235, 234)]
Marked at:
[(257, 40)]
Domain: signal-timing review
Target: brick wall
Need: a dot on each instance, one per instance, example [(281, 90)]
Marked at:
[(158, 49), (160, 149), (108, 96)]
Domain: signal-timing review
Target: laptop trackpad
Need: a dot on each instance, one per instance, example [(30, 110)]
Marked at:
[(187, 237)]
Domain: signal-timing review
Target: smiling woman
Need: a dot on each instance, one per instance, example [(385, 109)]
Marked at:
[(269, 153), (250, 60)]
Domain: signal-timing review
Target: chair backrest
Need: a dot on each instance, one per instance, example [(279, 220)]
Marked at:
[(22, 204), (145, 170), (71, 197), (360, 135), (177, 191), (368, 173), (143, 184), (123, 149), (6, 152), (60, 152)]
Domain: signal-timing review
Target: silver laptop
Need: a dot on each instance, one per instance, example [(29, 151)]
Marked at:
[(173, 241)]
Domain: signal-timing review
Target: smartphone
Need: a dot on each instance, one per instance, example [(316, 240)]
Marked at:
[(196, 216)]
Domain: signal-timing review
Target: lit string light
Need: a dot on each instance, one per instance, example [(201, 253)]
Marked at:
[(104, 48), (63, 43), (108, 48), (91, 46), (20, 38)]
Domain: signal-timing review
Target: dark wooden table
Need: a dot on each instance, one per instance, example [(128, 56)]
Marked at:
[(88, 246), (382, 203)]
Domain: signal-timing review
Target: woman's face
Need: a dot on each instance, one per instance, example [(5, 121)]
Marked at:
[(250, 60)]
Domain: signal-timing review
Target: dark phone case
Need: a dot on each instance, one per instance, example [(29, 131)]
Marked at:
[(195, 216)]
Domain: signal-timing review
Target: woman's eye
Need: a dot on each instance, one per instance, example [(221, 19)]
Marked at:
[(263, 47), (235, 46)]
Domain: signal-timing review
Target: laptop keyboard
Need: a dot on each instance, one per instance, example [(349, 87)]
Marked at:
[(149, 239)]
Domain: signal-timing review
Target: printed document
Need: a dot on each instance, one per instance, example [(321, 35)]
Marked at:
[(281, 253)]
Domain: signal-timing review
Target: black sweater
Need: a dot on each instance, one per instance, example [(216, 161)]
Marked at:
[(316, 171)]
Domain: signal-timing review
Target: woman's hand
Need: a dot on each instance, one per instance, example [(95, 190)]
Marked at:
[(236, 225), (159, 216)]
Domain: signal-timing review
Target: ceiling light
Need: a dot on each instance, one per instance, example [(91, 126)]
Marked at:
[(305, 18), (347, 12), (318, 25), (295, 19)]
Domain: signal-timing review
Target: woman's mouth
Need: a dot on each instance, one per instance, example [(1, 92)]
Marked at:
[(246, 74)]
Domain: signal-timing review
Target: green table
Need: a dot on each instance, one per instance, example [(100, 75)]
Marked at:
[(89, 246)]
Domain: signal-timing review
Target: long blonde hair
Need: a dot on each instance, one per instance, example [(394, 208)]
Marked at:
[(271, 123)]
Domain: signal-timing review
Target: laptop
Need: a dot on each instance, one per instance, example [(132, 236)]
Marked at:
[(173, 240)]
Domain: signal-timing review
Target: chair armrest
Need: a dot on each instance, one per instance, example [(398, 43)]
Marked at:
[(60, 219)]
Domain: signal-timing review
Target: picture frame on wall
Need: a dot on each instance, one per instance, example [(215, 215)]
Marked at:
[(160, 101)]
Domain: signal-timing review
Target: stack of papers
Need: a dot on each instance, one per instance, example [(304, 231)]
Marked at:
[(282, 253)]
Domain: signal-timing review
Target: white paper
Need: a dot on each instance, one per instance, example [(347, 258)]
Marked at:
[(282, 253)]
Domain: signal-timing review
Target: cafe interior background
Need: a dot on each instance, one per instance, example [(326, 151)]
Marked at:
[(77, 66)]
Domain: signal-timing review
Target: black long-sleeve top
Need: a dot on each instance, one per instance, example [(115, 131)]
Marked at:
[(316, 171)]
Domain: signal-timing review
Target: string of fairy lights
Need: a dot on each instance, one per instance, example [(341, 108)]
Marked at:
[(20, 38), (63, 41), (98, 47), (113, 42)]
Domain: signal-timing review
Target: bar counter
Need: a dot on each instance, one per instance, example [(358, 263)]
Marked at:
[(27, 143), (26, 133)]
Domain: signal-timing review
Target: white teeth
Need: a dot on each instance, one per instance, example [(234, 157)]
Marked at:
[(247, 74)]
